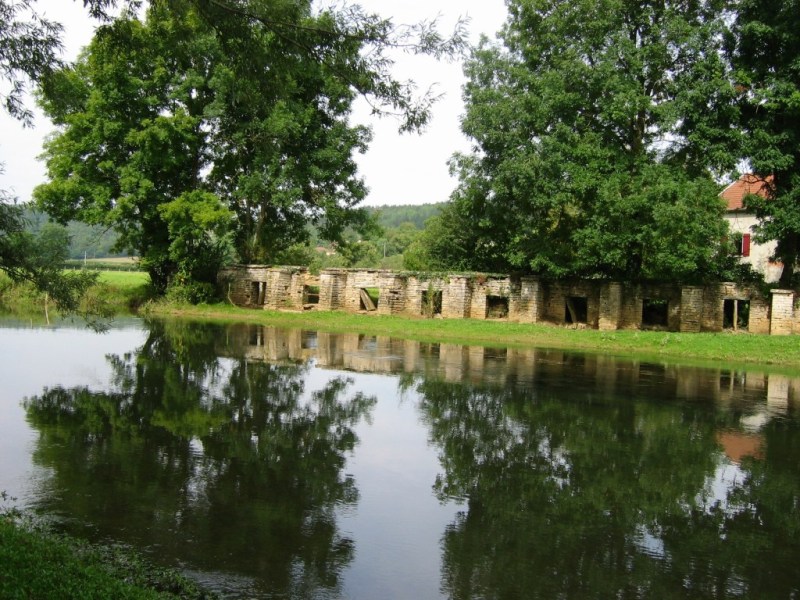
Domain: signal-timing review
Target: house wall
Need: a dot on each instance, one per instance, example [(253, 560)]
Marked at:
[(609, 305), (743, 222)]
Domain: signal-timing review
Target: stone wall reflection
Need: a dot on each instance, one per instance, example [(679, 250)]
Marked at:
[(511, 366)]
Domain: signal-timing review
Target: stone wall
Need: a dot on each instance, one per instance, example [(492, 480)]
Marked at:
[(591, 304)]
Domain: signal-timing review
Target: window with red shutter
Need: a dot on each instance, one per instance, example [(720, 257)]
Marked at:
[(746, 244)]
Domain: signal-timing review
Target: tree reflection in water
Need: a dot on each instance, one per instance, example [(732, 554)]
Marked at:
[(223, 464), (607, 493)]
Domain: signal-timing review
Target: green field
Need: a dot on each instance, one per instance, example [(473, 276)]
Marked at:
[(125, 279)]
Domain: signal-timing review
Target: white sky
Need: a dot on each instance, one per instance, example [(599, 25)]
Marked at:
[(398, 169)]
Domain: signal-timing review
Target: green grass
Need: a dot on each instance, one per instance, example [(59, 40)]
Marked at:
[(116, 291), (40, 564), (125, 279), (122, 291), (726, 347)]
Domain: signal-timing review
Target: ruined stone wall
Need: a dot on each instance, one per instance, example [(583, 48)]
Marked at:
[(593, 304), (237, 284), (610, 309), (782, 318), (527, 300), (392, 290), (332, 283), (489, 297), (285, 288), (457, 297), (635, 297), (557, 294)]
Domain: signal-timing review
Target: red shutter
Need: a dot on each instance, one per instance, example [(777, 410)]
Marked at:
[(746, 244)]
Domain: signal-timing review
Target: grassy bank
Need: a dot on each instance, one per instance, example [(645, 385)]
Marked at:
[(728, 347), (116, 291), (40, 564)]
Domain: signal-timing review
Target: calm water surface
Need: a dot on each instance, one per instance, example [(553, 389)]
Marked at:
[(270, 463)]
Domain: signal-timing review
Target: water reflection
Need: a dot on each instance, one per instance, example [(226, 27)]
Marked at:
[(568, 475), (228, 466), (610, 497)]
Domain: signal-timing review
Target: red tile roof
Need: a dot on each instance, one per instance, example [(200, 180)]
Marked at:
[(747, 184)]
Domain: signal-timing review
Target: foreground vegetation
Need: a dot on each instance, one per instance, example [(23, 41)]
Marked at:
[(38, 564), (727, 347)]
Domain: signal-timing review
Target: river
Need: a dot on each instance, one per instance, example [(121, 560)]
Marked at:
[(268, 463)]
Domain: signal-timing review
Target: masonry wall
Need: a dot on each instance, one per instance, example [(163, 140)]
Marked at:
[(555, 301), (596, 304)]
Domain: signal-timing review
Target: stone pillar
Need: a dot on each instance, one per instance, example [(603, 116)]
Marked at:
[(530, 302), (759, 314), (331, 289), (778, 393), (691, 309), (296, 287), (610, 306), (456, 298), (392, 295), (782, 319), (476, 306), (279, 284)]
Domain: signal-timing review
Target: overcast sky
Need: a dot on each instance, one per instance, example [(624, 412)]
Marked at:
[(398, 169)]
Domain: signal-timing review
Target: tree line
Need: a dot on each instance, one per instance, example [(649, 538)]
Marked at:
[(602, 129)]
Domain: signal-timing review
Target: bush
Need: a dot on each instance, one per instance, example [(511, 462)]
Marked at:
[(191, 292)]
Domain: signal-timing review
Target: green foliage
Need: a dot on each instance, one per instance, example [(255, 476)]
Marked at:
[(38, 260), (390, 217), (444, 244), (764, 47), (186, 291), (39, 564), (85, 241), (249, 103), (198, 225), (29, 45), (589, 161)]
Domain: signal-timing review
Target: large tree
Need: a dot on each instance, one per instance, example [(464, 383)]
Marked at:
[(594, 141), (765, 51), (246, 102)]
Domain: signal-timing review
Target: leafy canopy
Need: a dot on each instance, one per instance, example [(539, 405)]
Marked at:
[(594, 142), (764, 48), (246, 105)]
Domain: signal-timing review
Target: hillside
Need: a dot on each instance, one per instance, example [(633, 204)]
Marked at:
[(390, 217)]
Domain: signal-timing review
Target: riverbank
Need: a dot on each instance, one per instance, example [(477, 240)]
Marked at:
[(124, 291), (725, 347), (35, 563)]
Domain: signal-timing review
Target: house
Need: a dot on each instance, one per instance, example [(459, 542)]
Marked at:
[(742, 222)]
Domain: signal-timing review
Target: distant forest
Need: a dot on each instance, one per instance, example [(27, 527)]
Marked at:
[(86, 241), (95, 242), (390, 217)]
